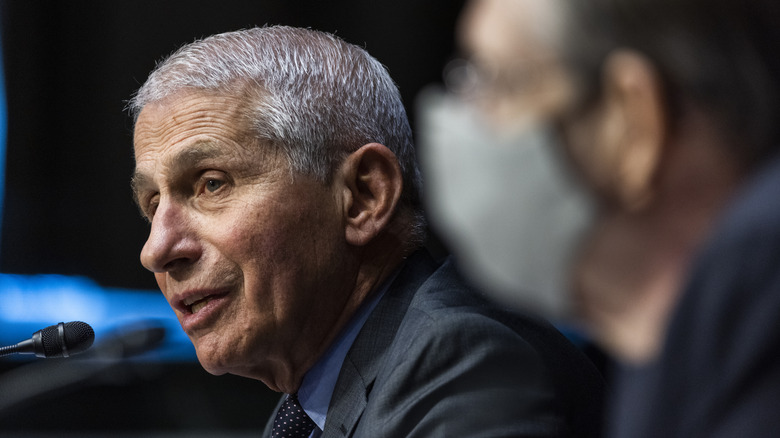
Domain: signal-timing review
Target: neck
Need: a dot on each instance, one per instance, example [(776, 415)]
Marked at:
[(628, 280), (374, 264), (632, 270)]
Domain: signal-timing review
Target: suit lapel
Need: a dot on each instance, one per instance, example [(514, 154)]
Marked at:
[(351, 401), (365, 357)]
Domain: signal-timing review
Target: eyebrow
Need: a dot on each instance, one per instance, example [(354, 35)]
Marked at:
[(184, 160)]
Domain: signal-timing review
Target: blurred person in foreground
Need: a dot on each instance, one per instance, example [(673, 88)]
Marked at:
[(615, 162), (277, 170)]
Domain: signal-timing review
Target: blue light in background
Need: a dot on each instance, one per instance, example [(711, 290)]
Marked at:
[(32, 302), (3, 130)]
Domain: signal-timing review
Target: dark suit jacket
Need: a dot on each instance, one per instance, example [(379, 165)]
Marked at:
[(435, 359), (719, 371)]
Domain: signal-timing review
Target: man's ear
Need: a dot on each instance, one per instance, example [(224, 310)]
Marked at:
[(634, 126), (371, 182)]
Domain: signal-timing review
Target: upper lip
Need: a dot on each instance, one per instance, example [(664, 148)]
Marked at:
[(184, 300)]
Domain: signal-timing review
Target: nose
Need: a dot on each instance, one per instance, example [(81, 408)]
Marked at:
[(172, 244)]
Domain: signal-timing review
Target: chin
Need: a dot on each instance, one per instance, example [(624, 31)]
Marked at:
[(210, 366), (217, 357), (214, 360)]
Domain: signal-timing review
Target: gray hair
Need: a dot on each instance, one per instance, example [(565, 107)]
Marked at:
[(314, 96)]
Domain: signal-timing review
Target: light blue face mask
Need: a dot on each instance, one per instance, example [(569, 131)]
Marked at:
[(505, 205)]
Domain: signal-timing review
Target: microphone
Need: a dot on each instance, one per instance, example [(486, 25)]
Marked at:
[(105, 364), (60, 340)]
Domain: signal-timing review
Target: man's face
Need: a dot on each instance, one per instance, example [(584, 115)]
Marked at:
[(250, 257), (504, 192), (518, 45)]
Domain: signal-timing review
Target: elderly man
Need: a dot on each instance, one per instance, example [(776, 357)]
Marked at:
[(664, 110), (277, 170)]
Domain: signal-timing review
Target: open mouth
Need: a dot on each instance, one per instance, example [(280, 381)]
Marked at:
[(196, 304)]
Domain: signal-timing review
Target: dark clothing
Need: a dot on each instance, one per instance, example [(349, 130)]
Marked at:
[(435, 359), (719, 371)]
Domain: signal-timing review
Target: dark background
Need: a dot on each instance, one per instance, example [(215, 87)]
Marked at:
[(70, 66)]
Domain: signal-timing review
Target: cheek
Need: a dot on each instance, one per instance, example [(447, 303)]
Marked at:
[(287, 262), (268, 250), (587, 153), (282, 231)]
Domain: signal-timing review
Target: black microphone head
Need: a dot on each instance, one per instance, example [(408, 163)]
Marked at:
[(79, 336), (66, 339)]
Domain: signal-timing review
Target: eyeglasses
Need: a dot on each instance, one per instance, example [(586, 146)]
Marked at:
[(478, 78)]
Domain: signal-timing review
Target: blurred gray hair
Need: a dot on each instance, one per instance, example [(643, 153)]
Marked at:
[(312, 95)]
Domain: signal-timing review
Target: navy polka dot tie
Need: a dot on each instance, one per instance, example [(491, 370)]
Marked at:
[(291, 421)]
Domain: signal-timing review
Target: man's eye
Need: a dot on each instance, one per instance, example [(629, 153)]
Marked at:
[(213, 185), (150, 209), (210, 182)]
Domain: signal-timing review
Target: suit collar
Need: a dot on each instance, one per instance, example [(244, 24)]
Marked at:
[(365, 357)]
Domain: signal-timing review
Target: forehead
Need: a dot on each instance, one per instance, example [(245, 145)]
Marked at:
[(192, 126), (505, 29)]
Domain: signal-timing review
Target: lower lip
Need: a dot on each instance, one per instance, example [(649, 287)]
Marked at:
[(192, 322)]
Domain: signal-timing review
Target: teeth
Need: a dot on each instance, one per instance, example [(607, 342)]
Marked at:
[(195, 308), (193, 299)]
